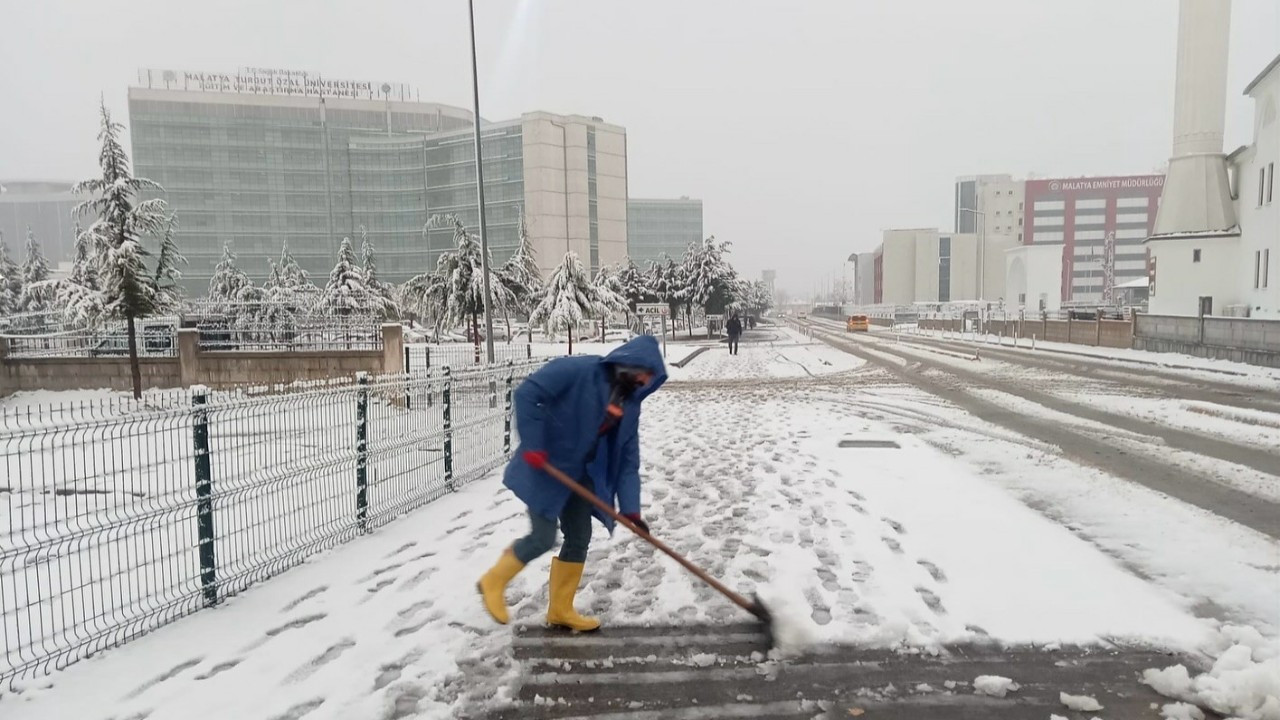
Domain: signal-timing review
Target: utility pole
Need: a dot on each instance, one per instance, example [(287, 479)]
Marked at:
[(484, 229)]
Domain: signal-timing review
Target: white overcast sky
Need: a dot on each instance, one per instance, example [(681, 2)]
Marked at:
[(806, 127)]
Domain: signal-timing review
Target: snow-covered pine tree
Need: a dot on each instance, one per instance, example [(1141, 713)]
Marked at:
[(567, 301), (709, 279), (520, 274), (168, 291), (608, 295), (635, 285), (380, 292), (128, 289), (346, 294), (35, 269), (84, 266), (227, 281), (10, 281), (292, 274)]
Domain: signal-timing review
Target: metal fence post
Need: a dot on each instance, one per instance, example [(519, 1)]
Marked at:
[(362, 451), (446, 395), (506, 416), (408, 387), (204, 496)]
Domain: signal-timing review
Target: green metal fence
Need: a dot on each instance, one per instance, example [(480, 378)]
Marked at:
[(120, 516)]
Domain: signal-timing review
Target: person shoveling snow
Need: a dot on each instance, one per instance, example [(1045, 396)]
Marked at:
[(582, 415)]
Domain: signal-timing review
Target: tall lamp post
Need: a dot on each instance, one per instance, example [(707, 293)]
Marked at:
[(982, 253), (564, 147), (484, 229)]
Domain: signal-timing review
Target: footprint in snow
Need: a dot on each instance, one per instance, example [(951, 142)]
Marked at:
[(893, 544), (168, 674), (381, 571), (897, 526), (400, 549), (932, 600), (219, 669), (934, 571), (417, 579), (828, 578), (328, 656), (301, 710), (375, 589), (303, 598), (391, 672)]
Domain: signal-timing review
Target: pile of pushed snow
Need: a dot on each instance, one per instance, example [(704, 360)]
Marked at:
[(1079, 703), (792, 625), (1243, 683), (994, 685), (1181, 711)]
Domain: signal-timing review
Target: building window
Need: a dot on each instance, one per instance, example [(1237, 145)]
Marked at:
[(1271, 180), (1262, 184), (1266, 267), (1257, 269), (1195, 255)]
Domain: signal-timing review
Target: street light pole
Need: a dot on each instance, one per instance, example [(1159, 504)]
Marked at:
[(982, 253), (484, 229), (564, 146)]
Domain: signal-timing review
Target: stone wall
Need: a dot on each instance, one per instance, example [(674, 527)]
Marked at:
[(23, 374), (193, 366), (1245, 340)]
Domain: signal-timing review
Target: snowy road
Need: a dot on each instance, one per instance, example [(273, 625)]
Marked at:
[(970, 533), (1090, 416)]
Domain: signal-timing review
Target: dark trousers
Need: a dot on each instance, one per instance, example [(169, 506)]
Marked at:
[(575, 524), (733, 344)]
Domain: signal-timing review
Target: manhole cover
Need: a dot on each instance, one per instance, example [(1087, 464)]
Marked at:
[(869, 444)]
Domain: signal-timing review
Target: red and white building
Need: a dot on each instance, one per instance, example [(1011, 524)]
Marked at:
[(1101, 224)]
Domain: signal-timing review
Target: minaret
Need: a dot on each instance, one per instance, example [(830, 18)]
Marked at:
[(1197, 197)]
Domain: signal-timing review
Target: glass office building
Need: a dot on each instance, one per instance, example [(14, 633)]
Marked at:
[(662, 227), (47, 208), (254, 165)]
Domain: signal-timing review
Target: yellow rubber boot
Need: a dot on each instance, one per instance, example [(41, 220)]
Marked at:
[(565, 577), (493, 585)]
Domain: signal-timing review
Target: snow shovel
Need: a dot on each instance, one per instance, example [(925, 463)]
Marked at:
[(753, 606)]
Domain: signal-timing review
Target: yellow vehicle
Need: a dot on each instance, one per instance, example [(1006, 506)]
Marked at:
[(857, 323)]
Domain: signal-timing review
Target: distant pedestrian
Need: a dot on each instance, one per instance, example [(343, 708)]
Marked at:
[(734, 328)]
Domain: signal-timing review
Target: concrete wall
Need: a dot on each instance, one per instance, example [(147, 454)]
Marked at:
[(996, 244), (1246, 340), (1108, 333), (964, 267), (926, 267), (898, 274), (24, 374), (218, 370)]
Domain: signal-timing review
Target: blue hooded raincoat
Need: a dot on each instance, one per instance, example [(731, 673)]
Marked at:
[(559, 409)]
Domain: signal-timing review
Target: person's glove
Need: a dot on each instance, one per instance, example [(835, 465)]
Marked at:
[(639, 521), (537, 459)]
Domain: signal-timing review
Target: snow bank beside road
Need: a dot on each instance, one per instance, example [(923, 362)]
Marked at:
[(1244, 681)]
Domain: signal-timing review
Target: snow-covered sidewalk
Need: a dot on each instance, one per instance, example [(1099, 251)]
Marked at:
[(963, 532)]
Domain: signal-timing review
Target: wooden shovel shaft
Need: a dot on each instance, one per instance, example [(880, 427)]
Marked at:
[(603, 507)]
